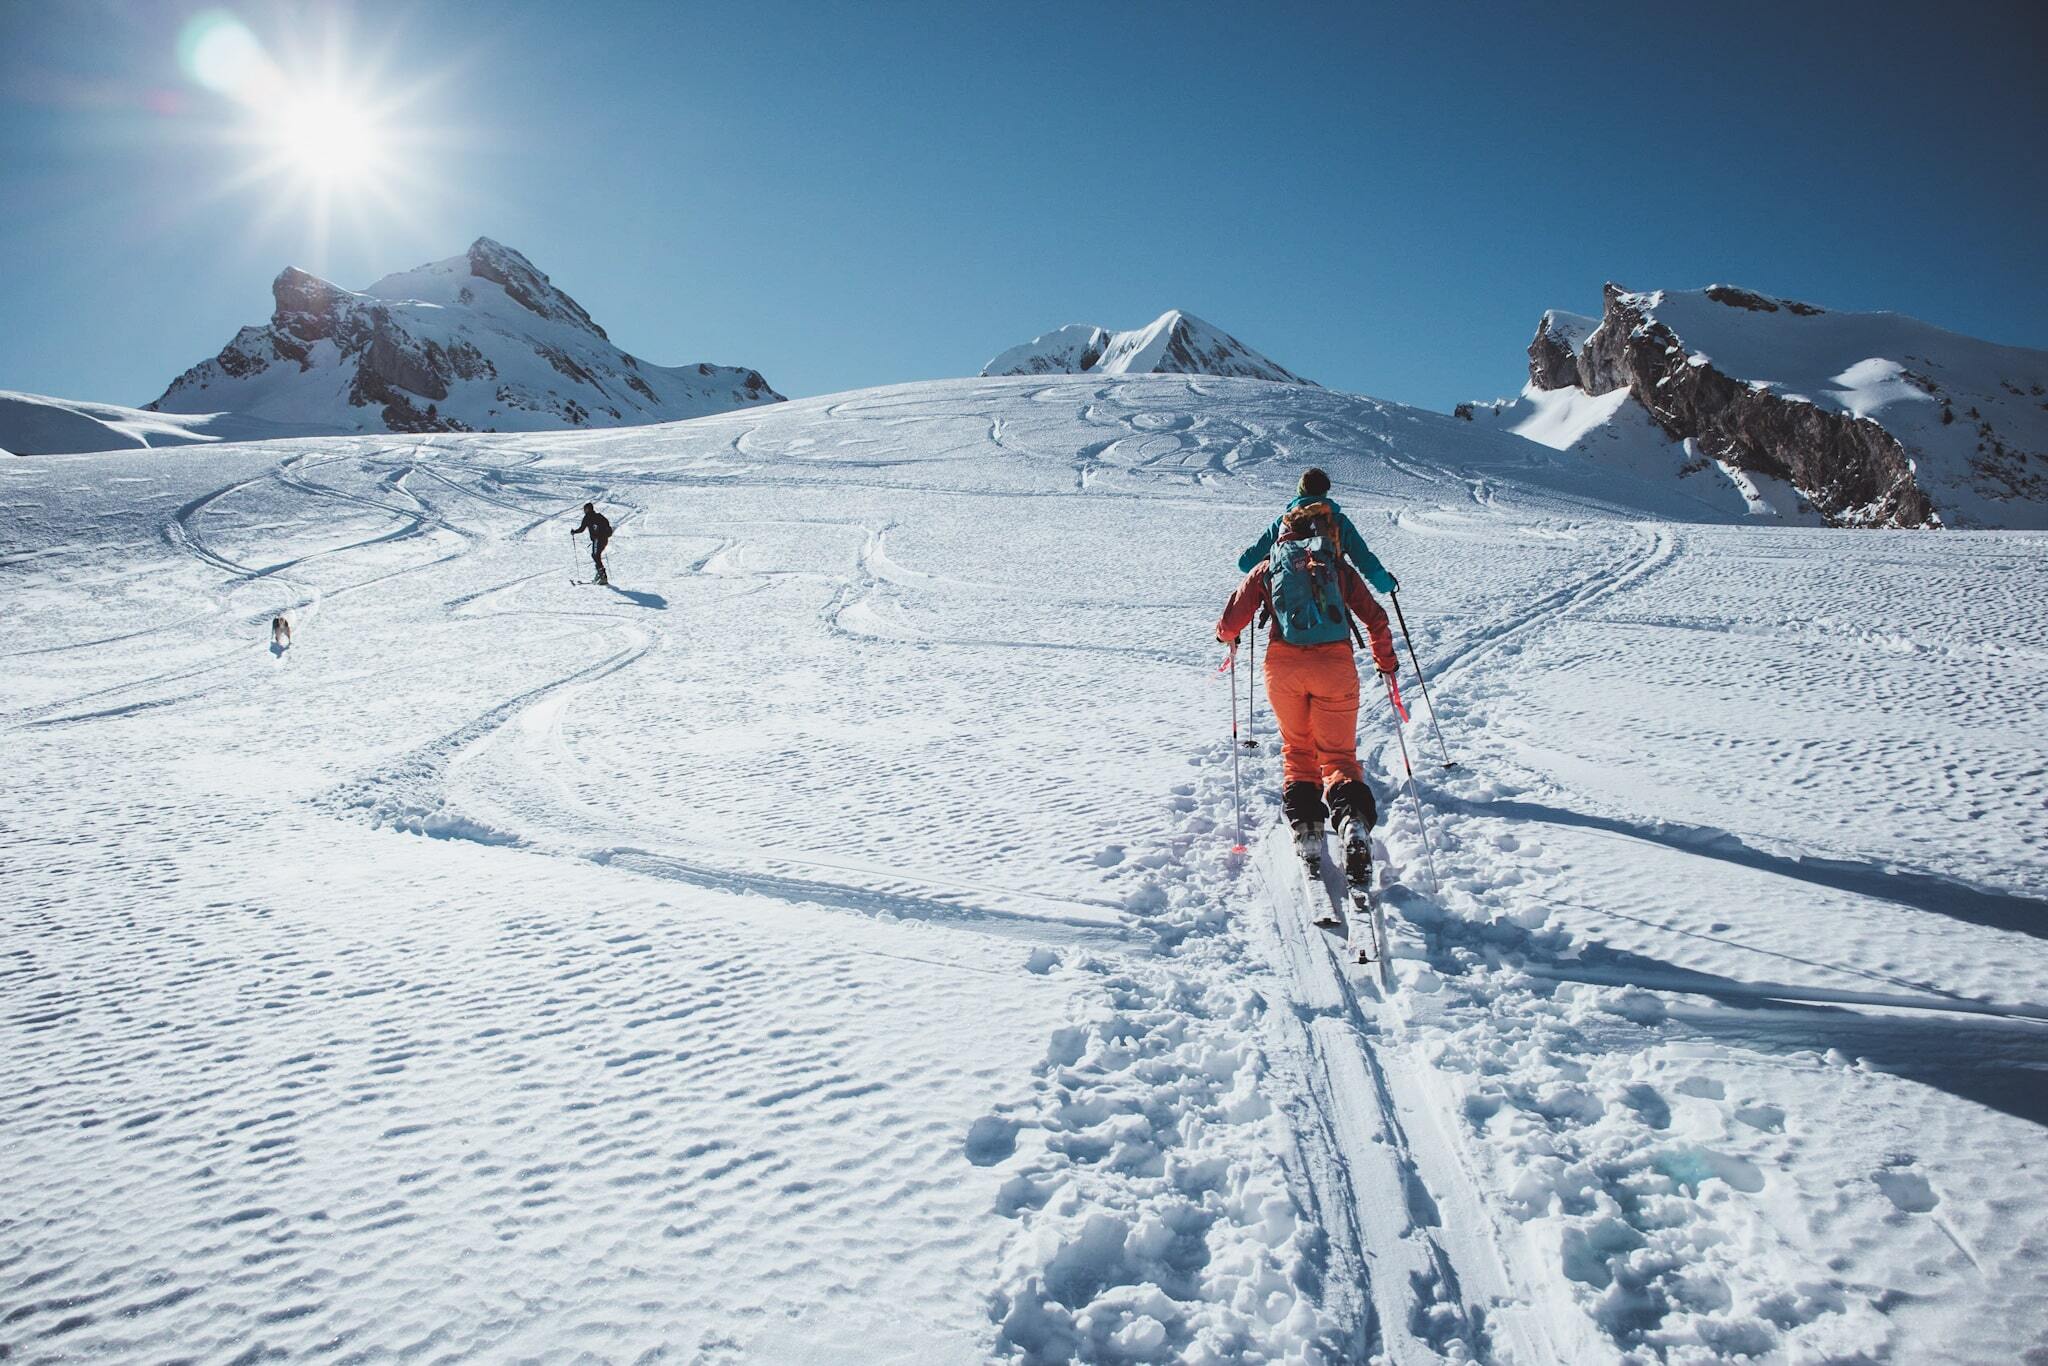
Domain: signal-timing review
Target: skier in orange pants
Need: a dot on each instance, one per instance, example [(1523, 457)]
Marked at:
[(1312, 596)]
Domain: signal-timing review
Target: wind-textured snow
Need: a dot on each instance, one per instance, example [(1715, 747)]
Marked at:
[(827, 944)]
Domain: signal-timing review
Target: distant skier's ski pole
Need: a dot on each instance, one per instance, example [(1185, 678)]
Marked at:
[(1401, 714), (1416, 660), (1236, 789)]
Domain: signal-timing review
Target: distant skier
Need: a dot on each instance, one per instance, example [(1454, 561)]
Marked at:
[(1312, 595), (1315, 488), (600, 531)]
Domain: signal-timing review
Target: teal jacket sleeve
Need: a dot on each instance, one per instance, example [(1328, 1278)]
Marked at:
[(1361, 555), (1258, 549)]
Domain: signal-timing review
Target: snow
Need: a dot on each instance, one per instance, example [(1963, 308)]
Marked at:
[(1561, 418), (1570, 329), (827, 945)]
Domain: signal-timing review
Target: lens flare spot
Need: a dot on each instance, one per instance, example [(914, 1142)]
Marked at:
[(219, 52)]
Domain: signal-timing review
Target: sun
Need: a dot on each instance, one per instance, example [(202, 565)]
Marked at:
[(327, 139)]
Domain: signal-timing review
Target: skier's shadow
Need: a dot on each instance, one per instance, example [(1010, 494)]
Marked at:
[(653, 600), (1923, 891)]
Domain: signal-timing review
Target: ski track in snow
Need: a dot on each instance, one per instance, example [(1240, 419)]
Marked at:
[(826, 944)]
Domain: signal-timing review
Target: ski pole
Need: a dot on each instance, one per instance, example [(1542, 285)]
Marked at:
[(1251, 696), (1236, 789), (1416, 660), (1429, 854)]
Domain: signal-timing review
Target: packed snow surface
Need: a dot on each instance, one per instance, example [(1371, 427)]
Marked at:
[(826, 944)]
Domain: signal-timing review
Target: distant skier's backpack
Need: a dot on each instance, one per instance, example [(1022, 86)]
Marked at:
[(1308, 599)]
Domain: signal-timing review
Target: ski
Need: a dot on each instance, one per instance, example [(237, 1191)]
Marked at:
[(1366, 908), (1329, 916), (1327, 913)]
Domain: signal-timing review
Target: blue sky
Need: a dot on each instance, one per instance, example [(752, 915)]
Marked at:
[(842, 195)]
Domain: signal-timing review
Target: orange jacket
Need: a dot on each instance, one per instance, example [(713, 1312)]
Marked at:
[(1252, 594)]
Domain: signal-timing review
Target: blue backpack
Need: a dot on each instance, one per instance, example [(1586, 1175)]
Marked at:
[(1308, 599)]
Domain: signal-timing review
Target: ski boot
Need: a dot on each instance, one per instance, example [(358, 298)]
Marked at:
[(1303, 804), (1308, 846), (1352, 804), (1357, 846)]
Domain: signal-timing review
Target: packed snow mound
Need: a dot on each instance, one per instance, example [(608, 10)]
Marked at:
[(1175, 343), (1862, 419), (478, 342), (36, 424)]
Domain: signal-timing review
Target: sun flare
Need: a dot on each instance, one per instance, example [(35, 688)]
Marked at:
[(330, 137)]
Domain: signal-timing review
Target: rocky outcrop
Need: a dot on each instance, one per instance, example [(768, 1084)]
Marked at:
[(1851, 469), (1553, 364)]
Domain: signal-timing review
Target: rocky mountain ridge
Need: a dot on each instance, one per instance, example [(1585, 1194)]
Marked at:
[(1863, 419), (479, 342)]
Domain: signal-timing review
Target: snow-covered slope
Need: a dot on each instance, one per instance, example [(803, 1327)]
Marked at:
[(1864, 419), (36, 424), (1175, 343), (828, 944), (479, 342)]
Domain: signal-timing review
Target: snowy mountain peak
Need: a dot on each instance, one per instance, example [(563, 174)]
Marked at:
[(483, 341), (452, 282), (1174, 343)]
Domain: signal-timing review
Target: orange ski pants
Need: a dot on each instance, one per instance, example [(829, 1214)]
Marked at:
[(1314, 692)]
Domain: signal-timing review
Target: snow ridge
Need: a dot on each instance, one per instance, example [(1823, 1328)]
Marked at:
[(36, 424)]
